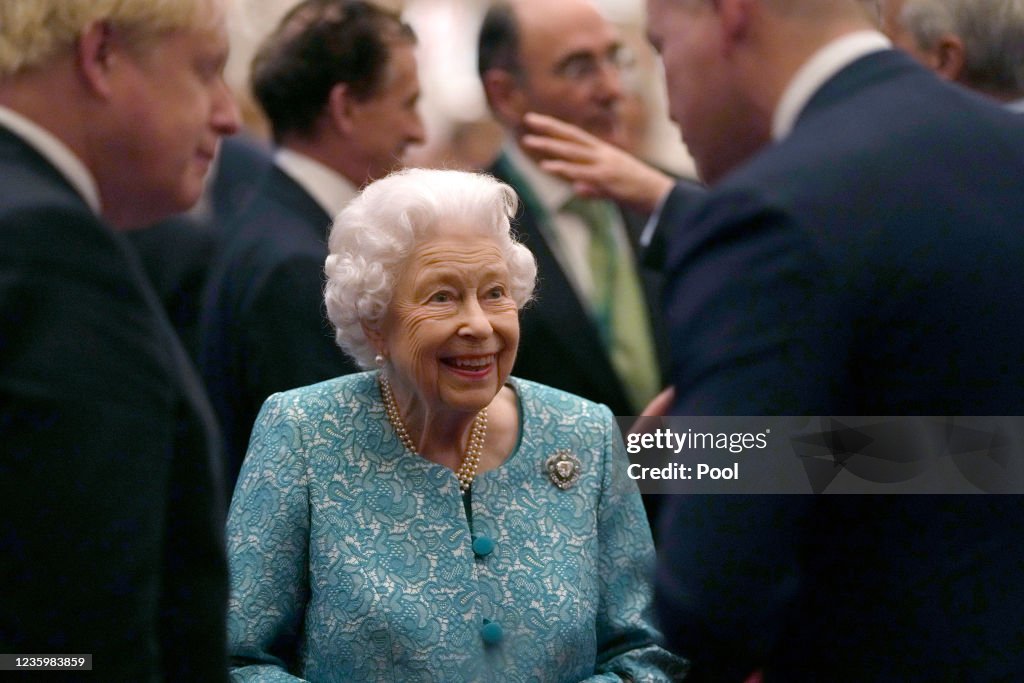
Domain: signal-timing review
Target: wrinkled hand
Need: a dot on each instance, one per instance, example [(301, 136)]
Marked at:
[(661, 403), (595, 168)]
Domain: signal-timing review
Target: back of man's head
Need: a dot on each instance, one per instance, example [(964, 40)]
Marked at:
[(979, 43), (33, 32), (319, 44)]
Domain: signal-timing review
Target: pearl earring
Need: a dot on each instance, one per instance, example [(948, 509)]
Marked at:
[(379, 360)]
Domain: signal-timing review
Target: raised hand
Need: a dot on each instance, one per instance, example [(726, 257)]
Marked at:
[(595, 168)]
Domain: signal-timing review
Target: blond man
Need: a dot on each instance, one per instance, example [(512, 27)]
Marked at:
[(110, 113)]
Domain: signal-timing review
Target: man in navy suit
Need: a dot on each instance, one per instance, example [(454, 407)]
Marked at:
[(338, 82), (859, 252), (112, 531)]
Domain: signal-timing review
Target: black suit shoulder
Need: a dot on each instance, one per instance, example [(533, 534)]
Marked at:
[(176, 254)]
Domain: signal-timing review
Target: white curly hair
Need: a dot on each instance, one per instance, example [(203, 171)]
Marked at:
[(372, 237)]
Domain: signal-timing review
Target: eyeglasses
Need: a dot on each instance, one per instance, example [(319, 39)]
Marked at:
[(587, 67)]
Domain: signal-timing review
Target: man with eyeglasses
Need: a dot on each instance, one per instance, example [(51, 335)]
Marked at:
[(591, 330)]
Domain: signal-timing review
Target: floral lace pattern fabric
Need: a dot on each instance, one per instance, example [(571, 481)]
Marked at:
[(353, 559)]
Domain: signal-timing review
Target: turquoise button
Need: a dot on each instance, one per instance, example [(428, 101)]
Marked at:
[(483, 545), (491, 633)]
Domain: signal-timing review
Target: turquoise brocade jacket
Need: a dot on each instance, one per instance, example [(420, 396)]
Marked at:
[(353, 559)]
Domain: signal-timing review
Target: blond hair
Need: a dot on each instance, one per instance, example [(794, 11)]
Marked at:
[(34, 31)]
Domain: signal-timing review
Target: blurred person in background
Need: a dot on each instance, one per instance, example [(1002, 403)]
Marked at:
[(592, 330), (338, 82)]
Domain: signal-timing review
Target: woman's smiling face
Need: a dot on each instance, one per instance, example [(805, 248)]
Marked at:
[(451, 330)]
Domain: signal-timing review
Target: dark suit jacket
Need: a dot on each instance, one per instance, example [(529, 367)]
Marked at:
[(242, 163), (685, 194), (263, 326), (176, 255), (872, 263), (112, 531), (559, 344)]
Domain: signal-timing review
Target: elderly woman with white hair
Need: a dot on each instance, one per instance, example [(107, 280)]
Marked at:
[(435, 519)]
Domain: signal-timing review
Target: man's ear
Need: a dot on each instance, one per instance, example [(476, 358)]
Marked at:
[(340, 109), (949, 56), (95, 56), (505, 96)]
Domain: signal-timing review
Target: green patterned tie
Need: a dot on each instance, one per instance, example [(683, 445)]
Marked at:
[(617, 303)]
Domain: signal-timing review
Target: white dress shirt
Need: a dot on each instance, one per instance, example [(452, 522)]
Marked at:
[(816, 71), (331, 190)]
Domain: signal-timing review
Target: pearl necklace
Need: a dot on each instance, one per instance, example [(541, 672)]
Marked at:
[(470, 462)]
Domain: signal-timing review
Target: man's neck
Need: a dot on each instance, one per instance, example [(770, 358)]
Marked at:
[(817, 69), (49, 131), (782, 45), (329, 154)]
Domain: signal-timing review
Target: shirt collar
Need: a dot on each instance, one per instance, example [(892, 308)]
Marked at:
[(552, 192), (1016, 106), (56, 152), (328, 188), (823, 65)]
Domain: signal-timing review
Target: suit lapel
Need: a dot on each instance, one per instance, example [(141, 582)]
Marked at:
[(557, 307), (651, 281)]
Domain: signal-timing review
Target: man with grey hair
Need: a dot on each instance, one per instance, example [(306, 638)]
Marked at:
[(112, 535), (977, 43)]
